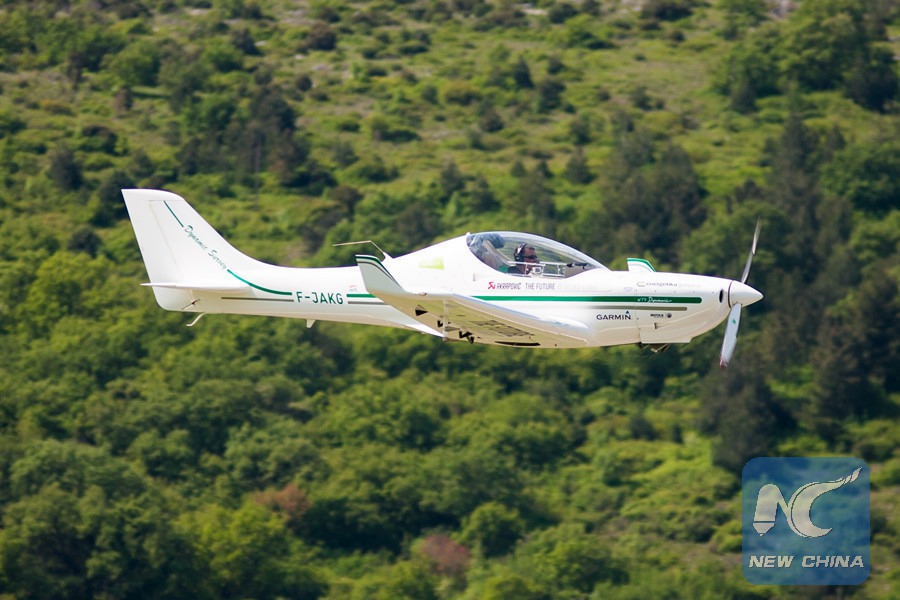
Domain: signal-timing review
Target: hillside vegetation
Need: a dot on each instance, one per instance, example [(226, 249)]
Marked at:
[(256, 458)]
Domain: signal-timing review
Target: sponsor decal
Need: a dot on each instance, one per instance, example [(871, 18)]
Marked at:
[(540, 285), (614, 317), (213, 254), (504, 286)]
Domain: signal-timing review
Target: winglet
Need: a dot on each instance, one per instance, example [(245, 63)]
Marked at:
[(640, 264), (378, 280)]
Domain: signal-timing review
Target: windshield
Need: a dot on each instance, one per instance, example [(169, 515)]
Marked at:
[(527, 254)]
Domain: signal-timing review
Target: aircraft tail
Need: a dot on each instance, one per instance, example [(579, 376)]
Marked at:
[(182, 252)]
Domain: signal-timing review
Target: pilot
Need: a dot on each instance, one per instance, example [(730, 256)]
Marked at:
[(525, 257)]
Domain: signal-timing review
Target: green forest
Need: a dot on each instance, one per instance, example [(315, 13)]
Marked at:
[(251, 457)]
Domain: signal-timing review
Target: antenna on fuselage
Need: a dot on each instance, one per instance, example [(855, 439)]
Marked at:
[(386, 255)]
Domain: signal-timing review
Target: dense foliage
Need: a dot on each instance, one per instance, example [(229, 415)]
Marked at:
[(256, 458)]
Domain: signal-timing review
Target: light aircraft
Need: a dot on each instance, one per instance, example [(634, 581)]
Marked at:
[(499, 287)]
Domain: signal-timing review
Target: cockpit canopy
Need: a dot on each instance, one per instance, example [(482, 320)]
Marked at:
[(530, 255)]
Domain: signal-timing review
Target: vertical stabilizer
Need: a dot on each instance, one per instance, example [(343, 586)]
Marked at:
[(182, 252)]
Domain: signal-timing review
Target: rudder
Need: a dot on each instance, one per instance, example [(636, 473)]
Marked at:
[(181, 251)]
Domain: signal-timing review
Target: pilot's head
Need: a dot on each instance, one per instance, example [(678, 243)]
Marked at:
[(525, 253)]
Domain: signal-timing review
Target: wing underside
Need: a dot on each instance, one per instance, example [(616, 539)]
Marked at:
[(459, 317)]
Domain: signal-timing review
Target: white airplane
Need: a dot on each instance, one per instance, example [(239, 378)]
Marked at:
[(500, 287)]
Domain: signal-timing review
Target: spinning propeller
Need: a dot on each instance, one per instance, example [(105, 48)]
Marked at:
[(739, 294)]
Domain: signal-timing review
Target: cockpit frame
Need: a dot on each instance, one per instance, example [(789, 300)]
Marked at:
[(504, 251)]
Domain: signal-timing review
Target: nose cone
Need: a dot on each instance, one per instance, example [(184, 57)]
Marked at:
[(743, 294)]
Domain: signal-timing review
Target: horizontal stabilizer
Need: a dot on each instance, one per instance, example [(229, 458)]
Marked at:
[(200, 287)]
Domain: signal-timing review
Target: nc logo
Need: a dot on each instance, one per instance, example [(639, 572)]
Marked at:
[(796, 510)]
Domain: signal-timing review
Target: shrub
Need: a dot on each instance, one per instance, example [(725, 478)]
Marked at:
[(321, 37), (666, 10), (461, 92)]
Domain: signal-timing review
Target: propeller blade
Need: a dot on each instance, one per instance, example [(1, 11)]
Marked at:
[(731, 331), (752, 253)]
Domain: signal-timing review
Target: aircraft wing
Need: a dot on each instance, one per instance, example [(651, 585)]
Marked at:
[(461, 317)]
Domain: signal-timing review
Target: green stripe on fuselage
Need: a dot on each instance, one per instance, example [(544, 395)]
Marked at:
[(633, 299), (259, 287)]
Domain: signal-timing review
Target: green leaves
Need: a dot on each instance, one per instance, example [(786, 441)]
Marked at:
[(253, 457)]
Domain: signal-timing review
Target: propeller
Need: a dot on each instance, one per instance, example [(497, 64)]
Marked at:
[(739, 294)]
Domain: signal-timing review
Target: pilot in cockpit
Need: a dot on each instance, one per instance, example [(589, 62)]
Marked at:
[(526, 258), (487, 248)]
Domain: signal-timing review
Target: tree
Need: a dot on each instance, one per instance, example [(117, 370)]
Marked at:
[(493, 529), (87, 43), (751, 69), (490, 121), (739, 410), (183, 75), (821, 41), (84, 240), (873, 81), (655, 201), (795, 160), (864, 174), (559, 12), (742, 15), (577, 168), (247, 553), (448, 558), (110, 206), (833, 44), (480, 197), (407, 579), (549, 91), (501, 587), (63, 286), (451, 179), (222, 56), (666, 10), (138, 63), (856, 355), (242, 39), (580, 129), (567, 558), (65, 169), (535, 198), (42, 551), (521, 74), (84, 524), (401, 221)]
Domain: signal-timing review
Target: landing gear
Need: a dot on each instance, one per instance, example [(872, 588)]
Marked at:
[(655, 348)]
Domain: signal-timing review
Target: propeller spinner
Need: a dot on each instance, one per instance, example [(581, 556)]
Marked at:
[(739, 294)]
